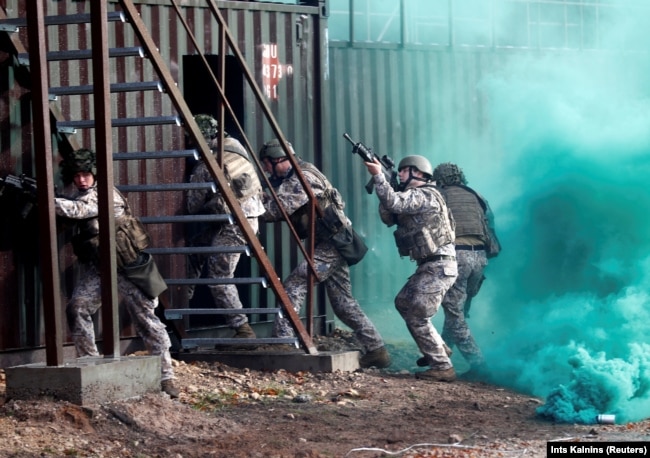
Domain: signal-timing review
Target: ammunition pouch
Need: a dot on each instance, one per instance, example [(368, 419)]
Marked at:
[(145, 275), (422, 239), (350, 245), (130, 239), (417, 243), (331, 223)]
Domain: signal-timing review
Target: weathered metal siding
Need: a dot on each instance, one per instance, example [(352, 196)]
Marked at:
[(253, 25), (398, 102)]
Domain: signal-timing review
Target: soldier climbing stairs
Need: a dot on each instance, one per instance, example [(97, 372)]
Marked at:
[(175, 113)]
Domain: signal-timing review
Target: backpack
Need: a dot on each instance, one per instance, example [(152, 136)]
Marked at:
[(240, 172), (131, 237)]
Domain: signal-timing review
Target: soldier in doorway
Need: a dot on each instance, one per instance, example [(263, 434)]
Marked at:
[(246, 185)]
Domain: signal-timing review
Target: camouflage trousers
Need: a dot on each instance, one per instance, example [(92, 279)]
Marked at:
[(86, 300), (418, 302), (334, 274), (455, 330), (223, 265)]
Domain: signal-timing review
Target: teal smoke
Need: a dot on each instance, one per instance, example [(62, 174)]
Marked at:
[(564, 312), (569, 312)]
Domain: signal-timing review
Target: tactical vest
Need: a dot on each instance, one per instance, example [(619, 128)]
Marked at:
[(467, 211), (419, 238), (130, 238), (239, 170), (330, 201)]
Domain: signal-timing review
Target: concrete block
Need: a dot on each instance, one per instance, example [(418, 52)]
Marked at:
[(347, 361), (85, 381)]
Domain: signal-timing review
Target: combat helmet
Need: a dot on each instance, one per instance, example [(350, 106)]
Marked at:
[(208, 126), (81, 160), (273, 149), (419, 162), (448, 174)]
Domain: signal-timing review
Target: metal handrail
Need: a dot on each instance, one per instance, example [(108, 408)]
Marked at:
[(268, 114), (217, 173)]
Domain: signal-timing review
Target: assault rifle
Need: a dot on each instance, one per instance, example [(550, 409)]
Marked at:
[(25, 187), (387, 164)]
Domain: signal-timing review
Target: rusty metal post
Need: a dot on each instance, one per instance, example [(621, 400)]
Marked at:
[(44, 176), (105, 188)]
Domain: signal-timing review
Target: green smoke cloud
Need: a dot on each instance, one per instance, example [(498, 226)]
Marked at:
[(564, 312), (568, 312)]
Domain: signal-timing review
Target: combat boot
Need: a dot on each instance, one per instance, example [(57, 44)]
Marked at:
[(437, 375), (422, 362), (168, 387), (245, 332), (378, 358)]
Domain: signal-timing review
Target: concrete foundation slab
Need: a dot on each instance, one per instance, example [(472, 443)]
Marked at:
[(85, 381), (347, 361)]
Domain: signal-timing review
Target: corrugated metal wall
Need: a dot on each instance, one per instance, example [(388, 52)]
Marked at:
[(399, 102), (292, 35)]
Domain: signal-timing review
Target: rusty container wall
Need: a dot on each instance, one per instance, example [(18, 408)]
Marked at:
[(281, 45)]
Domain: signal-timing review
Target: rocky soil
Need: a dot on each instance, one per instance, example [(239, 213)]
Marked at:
[(230, 413)]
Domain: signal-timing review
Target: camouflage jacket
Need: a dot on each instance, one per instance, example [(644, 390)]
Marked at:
[(292, 195), (85, 205), (413, 206)]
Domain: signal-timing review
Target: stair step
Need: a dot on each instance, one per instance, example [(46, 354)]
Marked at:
[(156, 155), (211, 342), (71, 126), (218, 281), (112, 16), (201, 250), (186, 218), (115, 88), (165, 187), (80, 54), (177, 314)]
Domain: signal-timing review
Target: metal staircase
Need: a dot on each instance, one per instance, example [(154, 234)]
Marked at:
[(181, 118)]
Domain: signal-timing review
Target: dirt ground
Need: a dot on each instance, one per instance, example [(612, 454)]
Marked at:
[(231, 413)]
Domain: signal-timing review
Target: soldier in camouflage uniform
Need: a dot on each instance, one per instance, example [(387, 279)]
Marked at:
[(333, 270), (425, 233), (82, 208), (246, 185), (472, 236)]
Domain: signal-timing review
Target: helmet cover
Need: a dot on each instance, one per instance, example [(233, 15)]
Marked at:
[(208, 126), (81, 160), (448, 174)]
